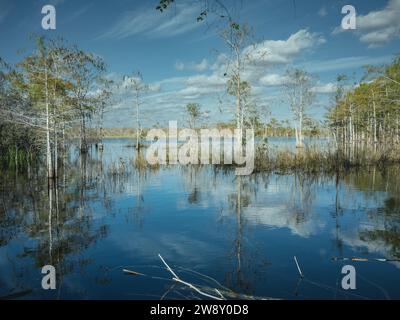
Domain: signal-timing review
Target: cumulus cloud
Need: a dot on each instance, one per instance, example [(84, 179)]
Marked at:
[(378, 27), (206, 86), (271, 52), (264, 55), (192, 66), (273, 80), (201, 85), (204, 81)]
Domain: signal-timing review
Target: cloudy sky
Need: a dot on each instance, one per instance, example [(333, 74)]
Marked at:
[(183, 60)]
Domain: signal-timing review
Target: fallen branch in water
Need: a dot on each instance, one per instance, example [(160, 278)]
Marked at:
[(365, 259), (224, 293), (298, 267), (177, 279), (134, 273)]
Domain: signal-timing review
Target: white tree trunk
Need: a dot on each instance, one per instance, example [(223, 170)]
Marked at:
[(137, 121), (48, 149)]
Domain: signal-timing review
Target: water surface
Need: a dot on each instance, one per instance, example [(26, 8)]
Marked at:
[(243, 232)]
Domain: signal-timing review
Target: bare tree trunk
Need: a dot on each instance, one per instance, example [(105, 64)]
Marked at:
[(48, 151), (55, 155), (16, 160), (238, 93), (50, 196), (83, 143), (64, 155), (239, 223), (55, 131), (299, 132), (375, 123), (137, 120)]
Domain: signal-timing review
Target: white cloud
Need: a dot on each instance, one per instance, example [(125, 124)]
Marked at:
[(273, 80), (201, 86), (267, 54), (154, 87), (207, 88), (325, 88), (152, 23), (196, 92), (221, 60), (344, 63), (271, 52), (179, 66), (378, 27), (201, 66), (204, 81)]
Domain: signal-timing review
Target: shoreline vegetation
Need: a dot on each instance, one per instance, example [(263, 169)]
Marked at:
[(57, 169), (313, 157), (55, 98)]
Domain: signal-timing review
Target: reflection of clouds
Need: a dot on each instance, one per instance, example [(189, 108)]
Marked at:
[(175, 247), (282, 217), (293, 204), (351, 237), (270, 208)]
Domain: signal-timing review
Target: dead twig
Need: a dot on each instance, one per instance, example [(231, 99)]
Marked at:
[(134, 273), (298, 267), (177, 279)]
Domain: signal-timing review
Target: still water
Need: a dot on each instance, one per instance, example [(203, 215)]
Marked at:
[(209, 225)]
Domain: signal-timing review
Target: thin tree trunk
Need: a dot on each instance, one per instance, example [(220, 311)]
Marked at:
[(238, 93), (375, 123), (48, 151), (137, 121)]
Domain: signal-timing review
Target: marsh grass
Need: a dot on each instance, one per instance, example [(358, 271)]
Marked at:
[(314, 158), (324, 159), (140, 161)]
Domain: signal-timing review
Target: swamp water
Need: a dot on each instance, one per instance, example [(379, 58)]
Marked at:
[(240, 231)]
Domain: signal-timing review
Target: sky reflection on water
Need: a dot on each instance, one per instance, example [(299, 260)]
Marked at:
[(241, 231)]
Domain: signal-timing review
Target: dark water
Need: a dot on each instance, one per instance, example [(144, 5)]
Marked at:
[(242, 232)]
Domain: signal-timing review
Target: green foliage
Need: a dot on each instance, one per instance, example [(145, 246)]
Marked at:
[(51, 89), (164, 4), (370, 111), (194, 113)]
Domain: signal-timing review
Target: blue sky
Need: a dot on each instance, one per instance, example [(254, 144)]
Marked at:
[(182, 60)]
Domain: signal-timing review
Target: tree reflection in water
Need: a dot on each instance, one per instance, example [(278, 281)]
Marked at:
[(97, 195)]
